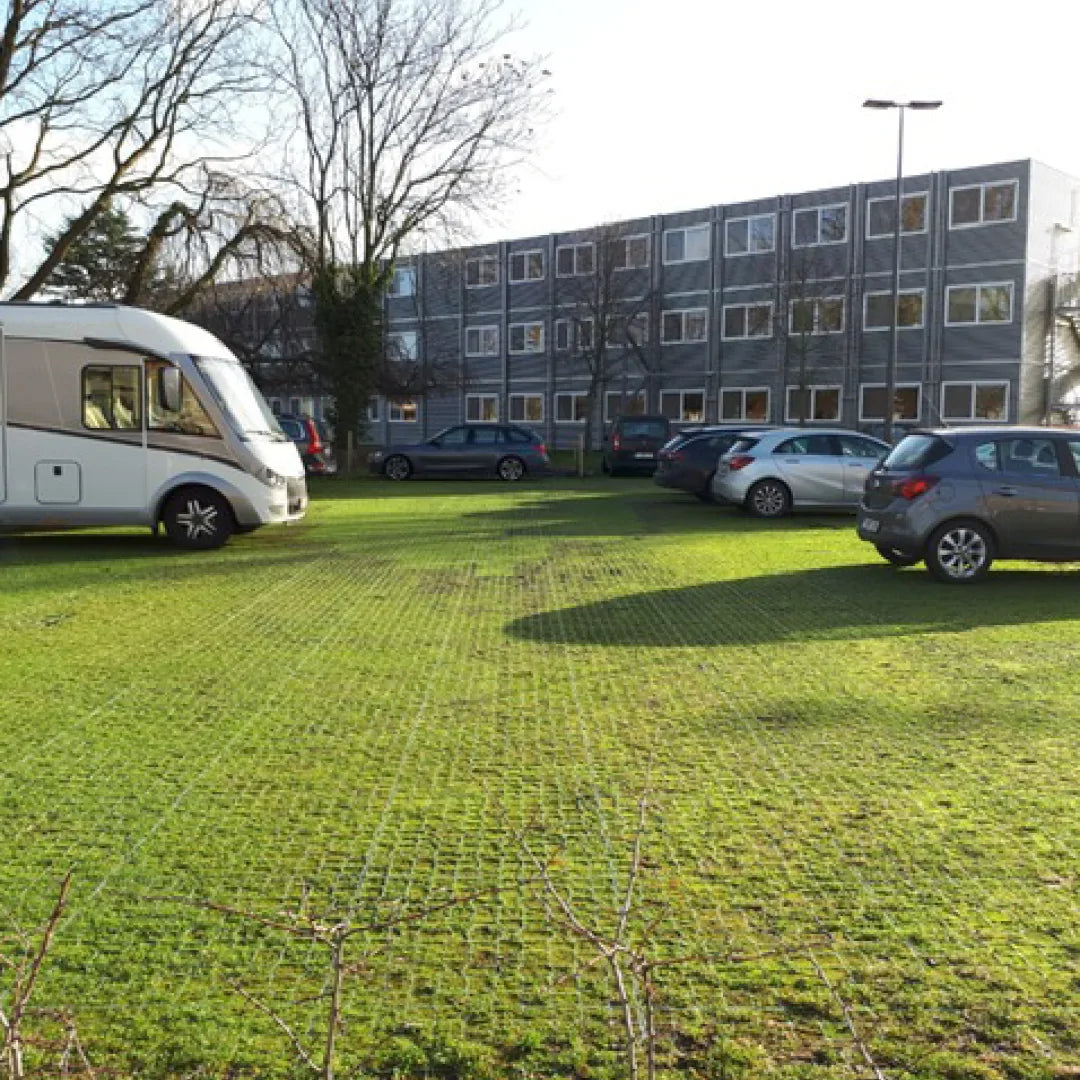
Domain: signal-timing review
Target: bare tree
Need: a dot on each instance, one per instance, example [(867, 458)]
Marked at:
[(116, 100), (408, 117), (608, 303)]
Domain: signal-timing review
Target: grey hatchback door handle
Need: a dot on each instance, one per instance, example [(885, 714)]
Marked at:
[(1006, 491)]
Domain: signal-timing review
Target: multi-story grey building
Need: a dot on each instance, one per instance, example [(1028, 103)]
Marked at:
[(778, 309)]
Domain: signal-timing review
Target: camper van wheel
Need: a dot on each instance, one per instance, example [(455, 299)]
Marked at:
[(197, 518)]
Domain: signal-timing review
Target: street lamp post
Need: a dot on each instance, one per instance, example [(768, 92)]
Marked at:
[(894, 343)]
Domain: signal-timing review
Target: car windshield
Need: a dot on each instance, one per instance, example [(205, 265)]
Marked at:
[(916, 452), (239, 398)]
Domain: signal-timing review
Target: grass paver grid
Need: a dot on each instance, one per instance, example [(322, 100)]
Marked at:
[(850, 769)]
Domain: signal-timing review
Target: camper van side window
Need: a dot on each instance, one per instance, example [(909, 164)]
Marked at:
[(172, 404), (111, 398)]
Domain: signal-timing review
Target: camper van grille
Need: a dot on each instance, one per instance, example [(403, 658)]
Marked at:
[(297, 496)]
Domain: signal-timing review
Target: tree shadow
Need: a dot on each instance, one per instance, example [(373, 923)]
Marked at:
[(836, 603)]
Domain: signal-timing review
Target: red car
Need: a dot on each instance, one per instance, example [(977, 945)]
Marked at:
[(312, 438)]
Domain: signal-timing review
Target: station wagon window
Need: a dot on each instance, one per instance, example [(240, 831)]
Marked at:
[(190, 418), (110, 395), (974, 401), (748, 404), (1031, 456), (487, 436)]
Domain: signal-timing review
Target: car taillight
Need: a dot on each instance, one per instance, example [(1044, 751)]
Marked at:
[(913, 486), (543, 449), (315, 445), (616, 442), (739, 461)]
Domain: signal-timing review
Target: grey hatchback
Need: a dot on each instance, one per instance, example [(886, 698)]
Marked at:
[(958, 499), (507, 451)]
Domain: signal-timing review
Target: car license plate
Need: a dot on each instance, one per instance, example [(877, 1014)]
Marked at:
[(870, 525), (640, 454)]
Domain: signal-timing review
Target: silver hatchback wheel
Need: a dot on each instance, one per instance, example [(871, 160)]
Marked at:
[(768, 499), (960, 552)]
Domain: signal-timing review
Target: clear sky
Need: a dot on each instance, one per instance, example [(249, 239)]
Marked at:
[(667, 105)]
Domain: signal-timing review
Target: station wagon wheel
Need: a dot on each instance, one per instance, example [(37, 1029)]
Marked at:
[(960, 552), (197, 519), (510, 468), (397, 467), (896, 556), (768, 499)]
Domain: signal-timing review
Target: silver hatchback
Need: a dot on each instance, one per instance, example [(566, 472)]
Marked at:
[(958, 499), (772, 472)]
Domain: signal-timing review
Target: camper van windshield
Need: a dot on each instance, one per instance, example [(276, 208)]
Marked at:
[(239, 398)]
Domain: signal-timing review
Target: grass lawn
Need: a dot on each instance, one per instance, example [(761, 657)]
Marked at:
[(862, 834)]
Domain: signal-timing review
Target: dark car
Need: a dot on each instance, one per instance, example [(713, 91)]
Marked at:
[(688, 460), (633, 442), (312, 439), (507, 451), (958, 499)]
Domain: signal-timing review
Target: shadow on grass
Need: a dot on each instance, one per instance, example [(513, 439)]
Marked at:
[(830, 603)]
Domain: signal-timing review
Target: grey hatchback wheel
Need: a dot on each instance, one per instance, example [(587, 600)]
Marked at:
[(511, 468), (768, 499), (397, 467), (960, 552)]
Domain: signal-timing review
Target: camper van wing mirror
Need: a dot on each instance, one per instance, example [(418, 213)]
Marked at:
[(170, 394)]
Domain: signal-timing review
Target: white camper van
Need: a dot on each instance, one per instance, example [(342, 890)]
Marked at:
[(114, 416)]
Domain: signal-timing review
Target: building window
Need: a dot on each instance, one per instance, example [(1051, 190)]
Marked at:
[(822, 403), (401, 345), (881, 215), (402, 412), (526, 408), (481, 270), (684, 326), (907, 399), (373, 410), (630, 330), (403, 282), (686, 245), (747, 320), (685, 406), (967, 305), (750, 235), (481, 341), (878, 310), (975, 401), (527, 337), (573, 335), (481, 407), (751, 403), (820, 315), (574, 260), (527, 266), (982, 204), (111, 397), (630, 252), (571, 408), (617, 403), (820, 225)]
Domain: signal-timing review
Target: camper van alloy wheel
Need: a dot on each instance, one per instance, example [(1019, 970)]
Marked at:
[(197, 518)]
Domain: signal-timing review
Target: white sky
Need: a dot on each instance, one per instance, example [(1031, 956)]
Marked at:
[(667, 105)]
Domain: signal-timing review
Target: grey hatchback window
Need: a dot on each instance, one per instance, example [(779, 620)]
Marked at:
[(807, 444), (852, 446), (486, 436), (1029, 456), (453, 437)]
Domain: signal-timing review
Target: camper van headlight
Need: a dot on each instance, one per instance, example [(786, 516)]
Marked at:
[(273, 479)]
